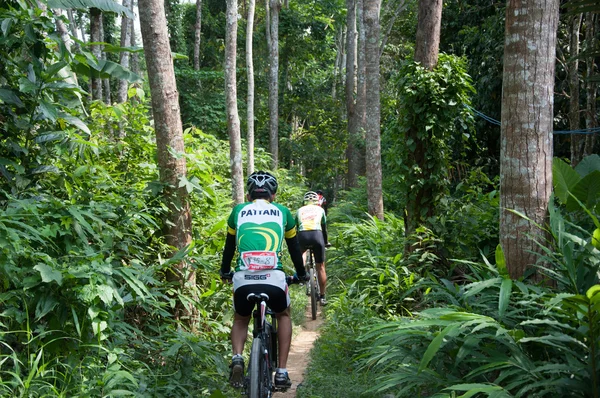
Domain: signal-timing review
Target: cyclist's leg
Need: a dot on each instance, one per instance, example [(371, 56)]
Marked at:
[(284, 336), (243, 311), (319, 250), (239, 332), (302, 241)]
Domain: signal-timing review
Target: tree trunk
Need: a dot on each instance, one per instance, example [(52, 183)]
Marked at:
[(61, 28), (590, 110), (197, 34), (427, 46), (250, 74), (73, 28), (275, 7), (526, 129), (105, 82), (169, 137), (124, 56), (373, 138), (361, 92), (95, 37), (420, 204), (577, 140), (353, 131), (134, 61), (233, 120)]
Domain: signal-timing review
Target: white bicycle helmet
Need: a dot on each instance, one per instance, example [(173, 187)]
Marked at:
[(261, 181), (311, 196)]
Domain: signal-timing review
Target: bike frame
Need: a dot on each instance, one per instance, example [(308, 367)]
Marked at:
[(264, 346)]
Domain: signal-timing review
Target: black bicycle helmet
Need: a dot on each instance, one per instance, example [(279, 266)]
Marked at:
[(260, 182), (311, 196)]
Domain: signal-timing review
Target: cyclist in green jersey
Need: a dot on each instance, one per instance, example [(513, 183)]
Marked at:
[(257, 228)]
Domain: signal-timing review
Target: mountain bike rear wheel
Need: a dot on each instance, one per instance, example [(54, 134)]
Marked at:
[(313, 293)]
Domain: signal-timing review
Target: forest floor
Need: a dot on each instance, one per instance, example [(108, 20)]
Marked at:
[(299, 352)]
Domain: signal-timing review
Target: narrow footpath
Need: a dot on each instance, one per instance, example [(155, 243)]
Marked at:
[(299, 353)]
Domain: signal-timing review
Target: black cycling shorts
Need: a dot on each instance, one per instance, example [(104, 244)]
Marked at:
[(246, 282), (314, 240)]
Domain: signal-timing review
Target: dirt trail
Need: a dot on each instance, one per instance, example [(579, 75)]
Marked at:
[(298, 358)]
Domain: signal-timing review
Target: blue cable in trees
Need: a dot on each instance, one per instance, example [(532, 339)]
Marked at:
[(497, 123)]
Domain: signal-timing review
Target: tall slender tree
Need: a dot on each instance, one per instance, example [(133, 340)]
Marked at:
[(526, 129), (591, 120), (250, 76), (373, 133), (106, 91), (274, 8), (96, 37), (125, 55), (577, 140), (169, 137), (353, 130), (197, 34), (361, 88), (233, 120), (134, 61)]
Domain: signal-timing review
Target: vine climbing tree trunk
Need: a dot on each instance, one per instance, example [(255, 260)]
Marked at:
[(419, 203), (373, 133), (177, 227), (233, 120), (526, 129), (250, 76)]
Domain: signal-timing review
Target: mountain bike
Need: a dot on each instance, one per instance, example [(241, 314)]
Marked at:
[(258, 382), (312, 286)]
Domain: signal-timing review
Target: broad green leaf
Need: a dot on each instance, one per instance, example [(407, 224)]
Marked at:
[(592, 291), (587, 191), (501, 262), (435, 345), (48, 274), (10, 97), (76, 122), (476, 287), (104, 5), (48, 110), (588, 164), (46, 304), (5, 26), (45, 169), (564, 178), (105, 293), (504, 299)]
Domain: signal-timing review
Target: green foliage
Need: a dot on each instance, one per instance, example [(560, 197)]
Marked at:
[(579, 186), (429, 129), (467, 220)]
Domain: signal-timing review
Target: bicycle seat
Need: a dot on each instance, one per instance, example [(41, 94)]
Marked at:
[(257, 298)]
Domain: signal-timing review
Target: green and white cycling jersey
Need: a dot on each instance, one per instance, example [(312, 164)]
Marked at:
[(260, 228)]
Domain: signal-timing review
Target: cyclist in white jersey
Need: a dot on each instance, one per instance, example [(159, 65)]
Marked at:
[(257, 228)]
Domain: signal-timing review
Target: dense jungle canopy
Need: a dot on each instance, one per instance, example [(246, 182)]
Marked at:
[(455, 143)]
